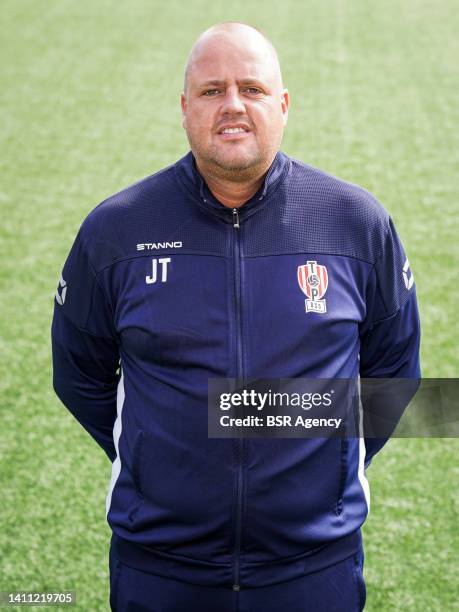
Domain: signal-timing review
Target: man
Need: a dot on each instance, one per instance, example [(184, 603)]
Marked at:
[(192, 274)]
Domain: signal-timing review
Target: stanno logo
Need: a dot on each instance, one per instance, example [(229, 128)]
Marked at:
[(61, 291), (313, 281), (408, 277), (153, 246)]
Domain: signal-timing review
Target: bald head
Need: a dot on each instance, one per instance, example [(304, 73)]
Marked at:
[(237, 35)]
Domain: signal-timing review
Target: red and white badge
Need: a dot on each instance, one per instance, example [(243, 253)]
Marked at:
[(313, 281)]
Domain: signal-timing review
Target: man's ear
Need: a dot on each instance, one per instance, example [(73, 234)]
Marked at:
[(183, 105), (285, 103)]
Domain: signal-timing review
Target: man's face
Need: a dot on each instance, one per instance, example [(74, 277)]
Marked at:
[(234, 108)]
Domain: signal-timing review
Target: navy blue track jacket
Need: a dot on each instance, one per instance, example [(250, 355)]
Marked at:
[(165, 288)]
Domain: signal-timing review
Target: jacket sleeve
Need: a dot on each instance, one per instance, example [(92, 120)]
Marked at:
[(390, 337), (85, 348)]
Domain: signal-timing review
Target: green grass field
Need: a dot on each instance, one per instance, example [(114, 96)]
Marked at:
[(90, 103)]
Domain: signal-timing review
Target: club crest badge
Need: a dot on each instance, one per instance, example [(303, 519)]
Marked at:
[(313, 281)]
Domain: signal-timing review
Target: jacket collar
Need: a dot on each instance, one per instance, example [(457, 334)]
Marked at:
[(188, 175)]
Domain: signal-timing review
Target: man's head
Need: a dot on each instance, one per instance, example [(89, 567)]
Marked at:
[(234, 105)]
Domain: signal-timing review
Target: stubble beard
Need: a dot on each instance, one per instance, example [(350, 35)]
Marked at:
[(238, 169)]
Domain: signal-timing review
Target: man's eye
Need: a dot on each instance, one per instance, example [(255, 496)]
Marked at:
[(252, 90), (210, 92)]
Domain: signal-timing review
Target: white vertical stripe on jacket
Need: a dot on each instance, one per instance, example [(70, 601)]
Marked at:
[(362, 452), (116, 465)]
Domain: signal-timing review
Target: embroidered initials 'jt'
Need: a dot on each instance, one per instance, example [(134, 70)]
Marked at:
[(154, 273)]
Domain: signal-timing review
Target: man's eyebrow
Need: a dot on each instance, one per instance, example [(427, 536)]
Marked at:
[(251, 81), (214, 82), (222, 83)]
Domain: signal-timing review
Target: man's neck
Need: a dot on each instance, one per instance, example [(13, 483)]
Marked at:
[(232, 193)]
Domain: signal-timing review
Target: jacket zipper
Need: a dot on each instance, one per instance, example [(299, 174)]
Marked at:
[(239, 378)]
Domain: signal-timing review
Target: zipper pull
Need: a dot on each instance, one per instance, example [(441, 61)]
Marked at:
[(236, 587), (235, 218)]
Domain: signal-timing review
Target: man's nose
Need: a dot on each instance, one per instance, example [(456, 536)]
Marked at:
[(232, 102)]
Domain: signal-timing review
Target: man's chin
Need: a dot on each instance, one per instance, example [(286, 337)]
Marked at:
[(237, 163)]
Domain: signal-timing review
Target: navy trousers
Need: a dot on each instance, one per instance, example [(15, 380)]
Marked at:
[(337, 588)]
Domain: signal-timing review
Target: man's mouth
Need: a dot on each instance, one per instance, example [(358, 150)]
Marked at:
[(232, 132), (237, 130)]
